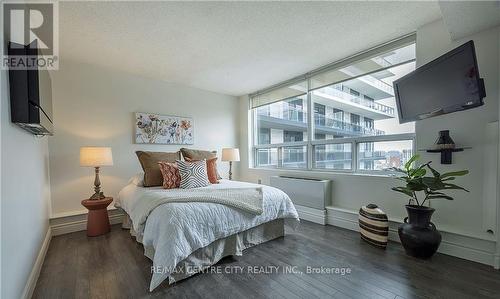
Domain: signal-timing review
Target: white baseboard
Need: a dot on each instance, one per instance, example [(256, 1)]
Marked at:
[(78, 222), (466, 247), (37, 267), (311, 214)]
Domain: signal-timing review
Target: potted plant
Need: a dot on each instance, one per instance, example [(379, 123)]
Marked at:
[(418, 234)]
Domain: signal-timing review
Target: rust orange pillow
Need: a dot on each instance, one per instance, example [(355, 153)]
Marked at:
[(211, 169), (171, 175)]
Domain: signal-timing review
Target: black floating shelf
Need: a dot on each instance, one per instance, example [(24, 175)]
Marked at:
[(446, 153)]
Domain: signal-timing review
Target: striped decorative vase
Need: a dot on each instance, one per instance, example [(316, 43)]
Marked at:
[(374, 225)]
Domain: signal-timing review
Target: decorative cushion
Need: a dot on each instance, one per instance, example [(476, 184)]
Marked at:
[(171, 175), (211, 170), (197, 155), (149, 162), (193, 174)]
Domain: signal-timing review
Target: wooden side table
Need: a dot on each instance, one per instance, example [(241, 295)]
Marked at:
[(97, 219)]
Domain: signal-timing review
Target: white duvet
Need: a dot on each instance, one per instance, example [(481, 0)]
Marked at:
[(175, 230)]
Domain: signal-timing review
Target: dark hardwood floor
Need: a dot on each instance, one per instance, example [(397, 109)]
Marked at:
[(113, 266)]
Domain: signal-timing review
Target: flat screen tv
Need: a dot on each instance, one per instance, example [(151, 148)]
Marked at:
[(30, 92), (447, 84)]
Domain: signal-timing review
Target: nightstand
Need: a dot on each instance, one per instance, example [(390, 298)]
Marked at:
[(97, 219)]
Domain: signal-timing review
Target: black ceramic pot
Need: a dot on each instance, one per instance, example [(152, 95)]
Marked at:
[(418, 234)]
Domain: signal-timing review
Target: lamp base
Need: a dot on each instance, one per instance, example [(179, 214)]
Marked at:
[(97, 187), (96, 196)]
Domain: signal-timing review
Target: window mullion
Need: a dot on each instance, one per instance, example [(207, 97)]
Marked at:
[(254, 151), (254, 136), (354, 155), (310, 127), (280, 157)]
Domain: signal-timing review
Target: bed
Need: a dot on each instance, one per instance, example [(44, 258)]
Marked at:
[(183, 238)]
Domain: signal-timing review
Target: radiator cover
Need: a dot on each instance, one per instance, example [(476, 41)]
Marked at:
[(311, 193)]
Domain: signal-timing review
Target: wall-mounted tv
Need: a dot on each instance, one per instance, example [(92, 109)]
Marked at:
[(447, 84), (30, 92)]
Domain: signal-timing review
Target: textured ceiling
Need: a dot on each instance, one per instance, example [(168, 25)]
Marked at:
[(230, 47), (468, 17)]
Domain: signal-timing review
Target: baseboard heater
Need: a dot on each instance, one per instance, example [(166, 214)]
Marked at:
[(310, 196)]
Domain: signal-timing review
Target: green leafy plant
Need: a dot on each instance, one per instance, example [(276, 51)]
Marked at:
[(430, 186)]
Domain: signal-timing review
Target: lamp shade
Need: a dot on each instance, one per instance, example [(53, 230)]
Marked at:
[(230, 154), (96, 156)]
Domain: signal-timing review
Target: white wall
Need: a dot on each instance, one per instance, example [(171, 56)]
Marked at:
[(25, 190), (95, 106), (467, 128), (462, 216)]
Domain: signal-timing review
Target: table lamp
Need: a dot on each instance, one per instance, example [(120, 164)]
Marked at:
[(96, 156), (230, 154)]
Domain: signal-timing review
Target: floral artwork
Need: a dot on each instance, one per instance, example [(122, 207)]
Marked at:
[(163, 129)]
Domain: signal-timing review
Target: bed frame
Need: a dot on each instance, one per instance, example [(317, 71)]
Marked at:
[(215, 251)]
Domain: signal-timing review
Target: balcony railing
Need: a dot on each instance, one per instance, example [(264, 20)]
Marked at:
[(336, 92), (295, 114), (299, 115), (321, 120), (324, 156), (288, 113), (372, 155)]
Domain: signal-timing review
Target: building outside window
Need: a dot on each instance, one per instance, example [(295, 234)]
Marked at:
[(353, 92), (319, 111), (368, 123), (264, 136), (354, 123), (293, 136)]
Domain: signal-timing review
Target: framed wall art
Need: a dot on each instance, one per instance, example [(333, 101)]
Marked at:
[(163, 129)]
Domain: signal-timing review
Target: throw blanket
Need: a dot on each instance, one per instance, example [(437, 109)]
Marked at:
[(245, 199)]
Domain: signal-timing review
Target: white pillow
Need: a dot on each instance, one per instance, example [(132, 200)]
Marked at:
[(137, 179), (193, 174)]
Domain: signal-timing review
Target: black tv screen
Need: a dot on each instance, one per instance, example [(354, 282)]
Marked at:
[(447, 84)]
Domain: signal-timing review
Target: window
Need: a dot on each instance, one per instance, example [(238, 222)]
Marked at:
[(267, 157), (338, 114), (264, 136), (283, 121), (293, 136), (319, 112), (354, 119), (353, 124), (382, 155), (354, 92), (294, 157), (333, 156), (279, 124), (368, 123)]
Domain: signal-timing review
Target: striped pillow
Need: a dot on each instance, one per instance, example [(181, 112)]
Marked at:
[(193, 174), (213, 176)]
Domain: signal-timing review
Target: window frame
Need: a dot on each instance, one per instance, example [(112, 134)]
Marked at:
[(311, 141)]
